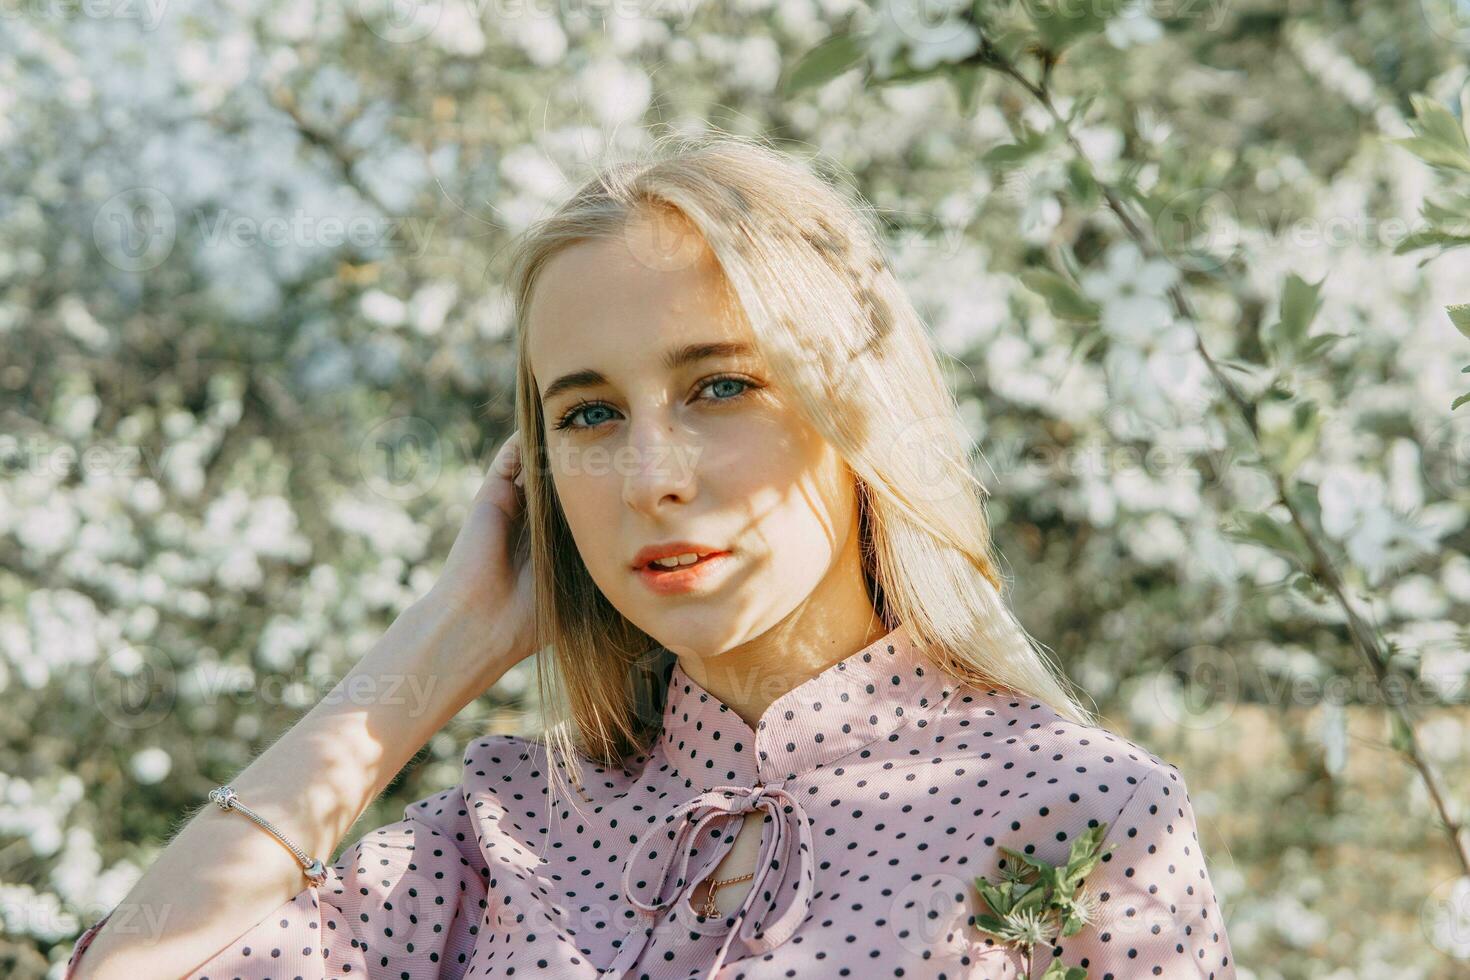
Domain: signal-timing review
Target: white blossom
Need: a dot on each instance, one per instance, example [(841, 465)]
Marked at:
[(903, 28), (617, 92), (1133, 25), (1132, 291), (1355, 513), (150, 765), (1159, 377)]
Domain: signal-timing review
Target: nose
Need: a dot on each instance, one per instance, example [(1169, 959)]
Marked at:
[(657, 464)]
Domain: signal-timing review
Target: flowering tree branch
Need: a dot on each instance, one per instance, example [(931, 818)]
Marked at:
[(1364, 637)]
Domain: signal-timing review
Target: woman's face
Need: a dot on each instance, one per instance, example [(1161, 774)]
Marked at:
[(663, 425)]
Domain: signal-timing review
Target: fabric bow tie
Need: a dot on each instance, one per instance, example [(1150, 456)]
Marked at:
[(780, 892)]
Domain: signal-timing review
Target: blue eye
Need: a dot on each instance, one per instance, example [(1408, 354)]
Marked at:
[(567, 419), (732, 381), (565, 422)]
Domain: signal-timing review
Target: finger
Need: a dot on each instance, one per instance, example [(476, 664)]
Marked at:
[(519, 468), (507, 462)]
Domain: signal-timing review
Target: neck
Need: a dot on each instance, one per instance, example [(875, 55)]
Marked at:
[(748, 678)]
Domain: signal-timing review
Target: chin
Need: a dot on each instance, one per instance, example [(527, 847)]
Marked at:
[(690, 633)]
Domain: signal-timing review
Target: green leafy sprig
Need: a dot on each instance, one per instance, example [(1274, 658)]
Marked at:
[(1035, 902), (1443, 142)]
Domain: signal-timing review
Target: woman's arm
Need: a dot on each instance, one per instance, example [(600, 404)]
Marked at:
[(221, 874)]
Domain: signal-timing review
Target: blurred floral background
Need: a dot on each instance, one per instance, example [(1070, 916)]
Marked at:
[(1195, 267)]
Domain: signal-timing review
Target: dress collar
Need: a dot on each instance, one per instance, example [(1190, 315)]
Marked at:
[(854, 702)]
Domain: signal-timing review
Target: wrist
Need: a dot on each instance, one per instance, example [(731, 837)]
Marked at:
[(454, 653)]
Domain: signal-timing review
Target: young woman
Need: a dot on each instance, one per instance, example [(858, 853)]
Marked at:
[(798, 717)]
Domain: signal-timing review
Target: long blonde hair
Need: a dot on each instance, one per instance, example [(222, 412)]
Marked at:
[(844, 341)]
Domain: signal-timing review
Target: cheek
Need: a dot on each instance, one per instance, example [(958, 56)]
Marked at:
[(590, 497), (804, 505)]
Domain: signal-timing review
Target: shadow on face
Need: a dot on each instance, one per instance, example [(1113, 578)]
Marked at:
[(663, 426)]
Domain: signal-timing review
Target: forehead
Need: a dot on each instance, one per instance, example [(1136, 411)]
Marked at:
[(630, 297)]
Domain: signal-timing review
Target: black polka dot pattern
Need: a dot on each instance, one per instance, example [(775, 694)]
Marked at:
[(780, 896), (885, 788)]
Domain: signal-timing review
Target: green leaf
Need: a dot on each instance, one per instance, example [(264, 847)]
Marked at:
[(1068, 257), (1439, 138), (1025, 858), (1451, 213), (1432, 153), (1056, 971), (1290, 444), (1304, 497), (1427, 238), (903, 73), (1080, 869), (1036, 897), (1437, 123), (1084, 346), (1287, 337), (1064, 22), (1052, 896), (1318, 345), (1084, 854), (1006, 32), (1399, 735), (1304, 584), (1244, 367), (989, 923), (1079, 108), (1300, 301), (825, 62), (997, 898), (967, 81), (1009, 155), (1306, 425), (1460, 401), (1079, 181), (1062, 298), (1262, 529), (1460, 317)]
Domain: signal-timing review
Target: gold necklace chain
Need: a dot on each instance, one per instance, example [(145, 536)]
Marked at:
[(710, 909)]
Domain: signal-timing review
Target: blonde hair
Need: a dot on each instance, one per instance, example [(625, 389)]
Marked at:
[(844, 341)]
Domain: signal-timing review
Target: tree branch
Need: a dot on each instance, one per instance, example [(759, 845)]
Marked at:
[(1364, 638)]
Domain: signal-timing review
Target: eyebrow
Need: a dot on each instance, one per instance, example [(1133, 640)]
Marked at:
[(674, 358)]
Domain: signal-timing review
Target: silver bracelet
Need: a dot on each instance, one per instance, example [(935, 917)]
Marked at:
[(313, 868)]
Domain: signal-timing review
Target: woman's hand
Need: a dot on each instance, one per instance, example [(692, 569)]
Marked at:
[(487, 576)]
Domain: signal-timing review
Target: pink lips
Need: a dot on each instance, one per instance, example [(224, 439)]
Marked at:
[(669, 549), (685, 578)]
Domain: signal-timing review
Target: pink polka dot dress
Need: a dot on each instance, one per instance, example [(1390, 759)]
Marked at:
[(884, 787)]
